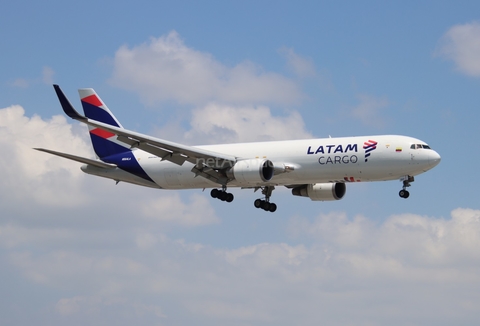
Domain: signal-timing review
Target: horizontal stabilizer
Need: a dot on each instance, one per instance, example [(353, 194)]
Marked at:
[(80, 159)]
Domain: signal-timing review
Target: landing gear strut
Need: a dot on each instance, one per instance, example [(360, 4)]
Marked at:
[(223, 195), (406, 183), (265, 204)]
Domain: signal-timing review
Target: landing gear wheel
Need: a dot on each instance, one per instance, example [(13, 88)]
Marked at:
[(273, 207), (222, 195), (404, 194), (214, 193), (266, 206), (406, 183)]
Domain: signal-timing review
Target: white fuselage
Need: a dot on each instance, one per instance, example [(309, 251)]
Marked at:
[(309, 161)]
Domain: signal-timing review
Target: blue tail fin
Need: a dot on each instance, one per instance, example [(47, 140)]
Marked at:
[(104, 143)]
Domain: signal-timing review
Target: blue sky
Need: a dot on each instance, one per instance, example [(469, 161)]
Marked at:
[(79, 250)]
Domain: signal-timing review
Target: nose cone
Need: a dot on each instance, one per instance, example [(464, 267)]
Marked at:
[(433, 159)]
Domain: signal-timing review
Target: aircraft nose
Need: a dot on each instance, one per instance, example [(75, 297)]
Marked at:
[(434, 158)]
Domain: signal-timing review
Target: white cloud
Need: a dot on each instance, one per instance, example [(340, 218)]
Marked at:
[(461, 44), (69, 306), (50, 181), (410, 240), (170, 209), (166, 69), (21, 165), (12, 235), (267, 255), (217, 123), (92, 305), (425, 265), (301, 66), (145, 240)]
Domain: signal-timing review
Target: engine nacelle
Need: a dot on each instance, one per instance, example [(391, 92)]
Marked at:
[(321, 191), (252, 172)]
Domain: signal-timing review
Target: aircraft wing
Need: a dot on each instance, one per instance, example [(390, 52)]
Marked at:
[(167, 150)]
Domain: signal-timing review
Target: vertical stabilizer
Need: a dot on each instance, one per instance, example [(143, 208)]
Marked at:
[(104, 143)]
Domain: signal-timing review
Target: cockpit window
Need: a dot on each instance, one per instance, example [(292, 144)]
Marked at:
[(418, 146)]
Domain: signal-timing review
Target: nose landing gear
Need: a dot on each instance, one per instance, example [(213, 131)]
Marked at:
[(406, 183), (265, 204), (404, 194)]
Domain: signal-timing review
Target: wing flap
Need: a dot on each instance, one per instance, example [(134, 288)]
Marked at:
[(176, 158), (160, 147)]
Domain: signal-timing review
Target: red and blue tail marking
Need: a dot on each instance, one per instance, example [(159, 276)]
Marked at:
[(104, 143)]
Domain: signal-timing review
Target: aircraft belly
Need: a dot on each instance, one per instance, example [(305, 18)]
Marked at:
[(171, 176), (118, 175)]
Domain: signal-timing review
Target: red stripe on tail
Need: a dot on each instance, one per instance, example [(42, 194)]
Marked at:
[(93, 100), (102, 133)]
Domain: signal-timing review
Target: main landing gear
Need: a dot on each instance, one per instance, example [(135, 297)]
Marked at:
[(223, 195), (265, 204), (406, 183)]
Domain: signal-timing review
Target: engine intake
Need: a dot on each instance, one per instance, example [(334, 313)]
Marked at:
[(252, 172), (321, 191)]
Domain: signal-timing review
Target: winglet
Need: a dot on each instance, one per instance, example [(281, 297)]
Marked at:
[(66, 105)]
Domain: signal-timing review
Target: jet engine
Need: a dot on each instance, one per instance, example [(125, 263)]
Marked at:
[(321, 191), (252, 172)]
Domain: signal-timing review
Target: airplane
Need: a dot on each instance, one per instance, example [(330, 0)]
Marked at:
[(315, 168)]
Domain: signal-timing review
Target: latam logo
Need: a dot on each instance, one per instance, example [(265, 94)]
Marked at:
[(369, 146)]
